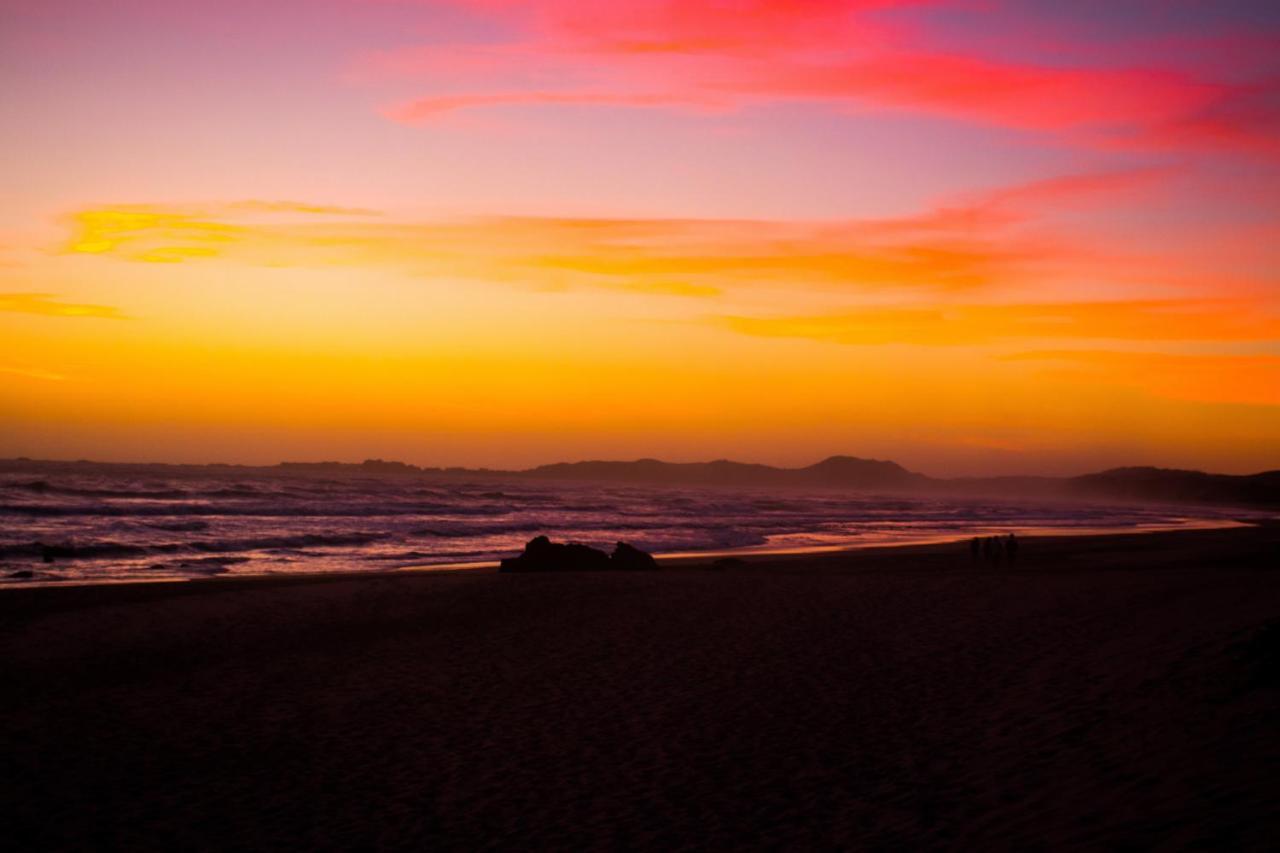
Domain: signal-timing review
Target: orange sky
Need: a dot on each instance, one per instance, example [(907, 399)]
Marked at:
[(985, 238)]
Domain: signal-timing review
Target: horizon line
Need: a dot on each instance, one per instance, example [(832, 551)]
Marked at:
[(637, 460)]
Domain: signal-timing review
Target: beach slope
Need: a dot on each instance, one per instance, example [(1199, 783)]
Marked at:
[(1103, 692)]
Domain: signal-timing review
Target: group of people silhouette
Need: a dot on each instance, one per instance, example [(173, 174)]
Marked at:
[(994, 549)]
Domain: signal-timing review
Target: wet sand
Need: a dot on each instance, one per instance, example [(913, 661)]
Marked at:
[(1097, 694)]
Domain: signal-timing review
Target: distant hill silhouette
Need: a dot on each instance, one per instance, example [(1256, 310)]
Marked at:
[(1171, 484), (836, 472), (863, 473)]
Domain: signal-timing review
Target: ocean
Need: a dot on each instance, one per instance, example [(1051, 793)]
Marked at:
[(124, 527)]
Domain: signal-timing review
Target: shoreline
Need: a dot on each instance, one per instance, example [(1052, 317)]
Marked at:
[(1097, 694), (750, 557)]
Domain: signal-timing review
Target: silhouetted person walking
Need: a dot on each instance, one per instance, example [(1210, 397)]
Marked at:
[(1011, 548), (975, 548)]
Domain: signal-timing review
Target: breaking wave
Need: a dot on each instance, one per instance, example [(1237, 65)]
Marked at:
[(108, 528)]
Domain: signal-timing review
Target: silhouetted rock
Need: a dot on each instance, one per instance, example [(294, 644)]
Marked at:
[(630, 558), (543, 555), (22, 574), (49, 553)]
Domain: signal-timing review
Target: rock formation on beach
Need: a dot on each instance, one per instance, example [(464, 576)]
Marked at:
[(630, 558), (543, 555)]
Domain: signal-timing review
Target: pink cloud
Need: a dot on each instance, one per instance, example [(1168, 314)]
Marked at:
[(701, 54), (1021, 96), (427, 109)]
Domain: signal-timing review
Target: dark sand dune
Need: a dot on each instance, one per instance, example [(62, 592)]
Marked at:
[(1097, 695)]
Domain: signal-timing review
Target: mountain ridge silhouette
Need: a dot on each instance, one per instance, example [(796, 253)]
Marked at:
[(1128, 483)]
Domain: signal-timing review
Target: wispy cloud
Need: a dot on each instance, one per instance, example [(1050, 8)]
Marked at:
[(674, 256), (698, 55), (424, 110), (961, 245), (47, 305), (33, 373), (302, 207), (1242, 379), (959, 325)]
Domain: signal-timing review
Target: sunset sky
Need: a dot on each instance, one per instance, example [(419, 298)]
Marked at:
[(988, 236)]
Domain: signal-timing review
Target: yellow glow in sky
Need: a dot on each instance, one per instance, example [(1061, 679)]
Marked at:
[(556, 231)]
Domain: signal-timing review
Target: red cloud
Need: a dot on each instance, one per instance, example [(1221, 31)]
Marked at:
[(703, 54), (426, 109)]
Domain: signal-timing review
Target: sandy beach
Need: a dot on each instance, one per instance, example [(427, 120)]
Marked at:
[(1101, 693)]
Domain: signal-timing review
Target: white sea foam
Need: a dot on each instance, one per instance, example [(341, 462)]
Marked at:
[(113, 528)]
